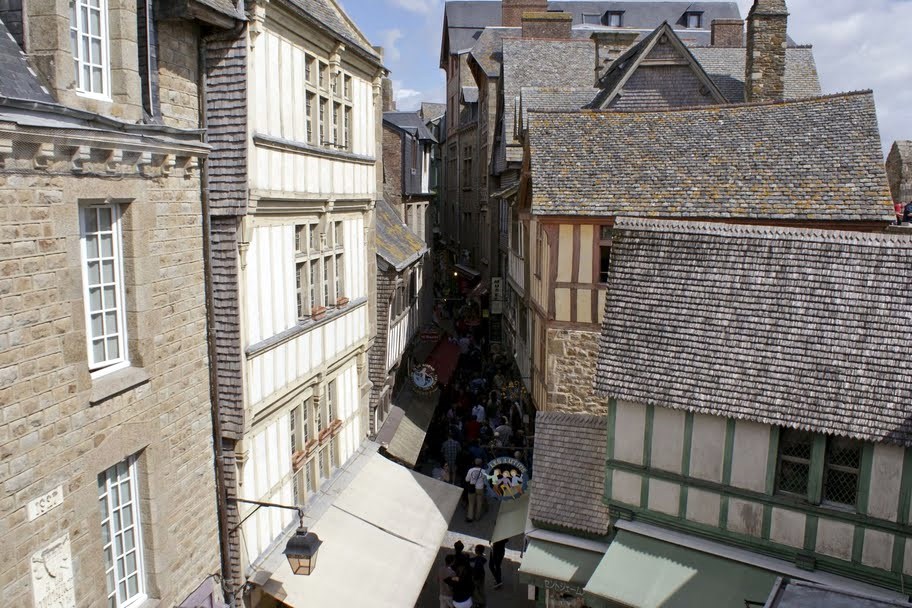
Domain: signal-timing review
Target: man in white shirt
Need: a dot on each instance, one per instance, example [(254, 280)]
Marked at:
[(476, 479), (478, 412)]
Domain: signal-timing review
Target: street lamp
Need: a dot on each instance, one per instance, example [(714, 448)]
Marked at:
[(301, 549)]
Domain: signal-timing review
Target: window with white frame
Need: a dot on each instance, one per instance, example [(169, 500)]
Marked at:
[(319, 267), (328, 105), (89, 44), (103, 286), (118, 496)]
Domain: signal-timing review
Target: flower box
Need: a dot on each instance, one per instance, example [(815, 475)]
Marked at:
[(318, 313), (342, 301)]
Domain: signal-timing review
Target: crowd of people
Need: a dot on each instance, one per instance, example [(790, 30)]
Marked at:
[(462, 576)]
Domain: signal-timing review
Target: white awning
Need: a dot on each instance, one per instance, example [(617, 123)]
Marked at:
[(380, 538)]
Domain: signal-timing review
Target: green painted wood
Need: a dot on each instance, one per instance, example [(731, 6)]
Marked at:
[(767, 521), (815, 477), (899, 552), (609, 447), (647, 453), (772, 460), (685, 460), (810, 533), (782, 500), (858, 544), (905, 491), (824, 563), (727, 470), (864, 478)]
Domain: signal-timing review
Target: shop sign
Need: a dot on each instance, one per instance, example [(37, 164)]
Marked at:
[(424, 378), (52, 575), (558, 599), (497, 294), (506, 478), (561, 587)]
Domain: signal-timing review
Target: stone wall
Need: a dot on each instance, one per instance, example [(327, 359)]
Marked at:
[(178, 73), (392, 168), (571, 372), (766, 41), (899, 171), (60, 428), (547, 25)]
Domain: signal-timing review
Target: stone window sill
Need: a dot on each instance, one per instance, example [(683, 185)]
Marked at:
[(118, 382)]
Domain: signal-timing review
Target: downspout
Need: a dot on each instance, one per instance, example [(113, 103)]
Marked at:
[(221, 492)]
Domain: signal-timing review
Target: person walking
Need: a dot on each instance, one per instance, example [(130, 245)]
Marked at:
[(498, 550), (461, 585), (446, 592), (478, 576), (450, 452), (475, 479)]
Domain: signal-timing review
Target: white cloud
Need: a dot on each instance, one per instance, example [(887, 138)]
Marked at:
[(423, 7), (388, 42)]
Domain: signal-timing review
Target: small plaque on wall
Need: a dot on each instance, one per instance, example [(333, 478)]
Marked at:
[(52, 575)]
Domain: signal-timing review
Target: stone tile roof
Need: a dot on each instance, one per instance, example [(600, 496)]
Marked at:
[(815, 159), (18, 80), (469, 94), (225, 7), (330, 15), (783, 326), (568, 479), (396, 244), (726, 68), (488, 50), (411, 122), (549, 99)]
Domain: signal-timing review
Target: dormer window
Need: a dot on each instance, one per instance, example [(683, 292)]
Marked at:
[(89, 44), (693, 21), (614, 18), (593, 19)]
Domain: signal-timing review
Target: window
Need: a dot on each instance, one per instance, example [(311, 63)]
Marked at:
[(338, 134), (840, 475), (693, 20), (312, 282), (89, 44), (308, 68), (103, 286), (348, 87), (592, 19), (346, 129), (121, 535), (795, 449), (614, 19), (324, 103), (308, 108), (331, 402), (293, 436), (820, 469), (604, 253), (300, 281), (319, 266), (322, 72), (338, 274)]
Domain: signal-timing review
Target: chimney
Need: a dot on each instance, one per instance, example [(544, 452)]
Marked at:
[(386, 94), (609, 45), (547, 25), (511, 11), (728, 33), (764, 78)]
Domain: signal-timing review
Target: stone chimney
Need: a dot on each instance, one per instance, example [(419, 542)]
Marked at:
[(764, 78), (386, 94), (899, 171), (511, 11), (547, 25), (609, 45), (728, 33)]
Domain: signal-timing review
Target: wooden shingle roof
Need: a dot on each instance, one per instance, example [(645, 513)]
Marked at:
[(569, 477), (789, 327), (814, 159)]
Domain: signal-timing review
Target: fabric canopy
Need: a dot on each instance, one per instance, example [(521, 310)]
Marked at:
[(380, 538), (511, 518), (443, 359), (405, 427), (646, 572), (556, 566)]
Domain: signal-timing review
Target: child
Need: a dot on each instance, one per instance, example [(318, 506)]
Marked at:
[(478, 576)]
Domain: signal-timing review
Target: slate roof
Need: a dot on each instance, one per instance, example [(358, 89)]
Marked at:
[(783, 326), (396, 244), (225, 7), (17, 79), (569, 476), (469, 95), (551, 99), (331, 16), (488, 50), (410, 122), (817, 159), (802, 594), (726, 68), (432, 111)]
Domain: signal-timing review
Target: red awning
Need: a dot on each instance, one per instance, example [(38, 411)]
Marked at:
[(444, 359)]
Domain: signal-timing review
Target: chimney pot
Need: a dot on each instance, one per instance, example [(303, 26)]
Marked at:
[(552, 24), (727, 33)]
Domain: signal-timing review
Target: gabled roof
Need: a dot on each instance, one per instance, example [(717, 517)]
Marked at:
[(488, 50), (726, 66), (817, 159), (396, 244), (411, 122), (621, 70), (790, 327), (432, 111), (330, 15), (17, 79), (569, 480)]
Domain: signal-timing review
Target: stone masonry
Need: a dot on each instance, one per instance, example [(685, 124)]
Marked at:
[(764, 79), (61, 428), (571, 372)]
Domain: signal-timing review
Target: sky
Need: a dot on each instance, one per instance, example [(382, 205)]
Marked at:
[(858, 44)]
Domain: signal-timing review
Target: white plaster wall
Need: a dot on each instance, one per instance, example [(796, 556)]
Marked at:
[(877, 551), (664, 496), (787, 527), (886, 478), (667, 439), (703, 507), (707, 449), (835, 538), (745, 517), (626, 487), (629, 432), (749, 456)]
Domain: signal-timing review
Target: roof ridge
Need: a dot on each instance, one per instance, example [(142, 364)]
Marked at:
[(760, 231)]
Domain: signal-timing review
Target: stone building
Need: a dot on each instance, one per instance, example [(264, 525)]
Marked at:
[(106, 439), (899, 172), (756, 428), (674, 164)]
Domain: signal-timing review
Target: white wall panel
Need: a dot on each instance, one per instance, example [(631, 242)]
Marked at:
[(269, 282)]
